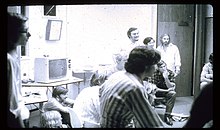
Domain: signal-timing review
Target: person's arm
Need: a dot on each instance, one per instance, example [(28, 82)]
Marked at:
[(53, 104), (177, 62), (143, 112), (177, 70), (14, 112), (169, 78), (69, 102), (162, 90), (205, 76)]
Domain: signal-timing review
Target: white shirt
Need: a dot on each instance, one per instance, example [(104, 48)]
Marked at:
[(170, 56), (17, 105), (87, 105), (127, 48)]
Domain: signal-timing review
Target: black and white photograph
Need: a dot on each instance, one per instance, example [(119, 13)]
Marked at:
[(120, 65)]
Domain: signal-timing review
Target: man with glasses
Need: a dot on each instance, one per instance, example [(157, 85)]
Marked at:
[(164, 79), (17, 35)]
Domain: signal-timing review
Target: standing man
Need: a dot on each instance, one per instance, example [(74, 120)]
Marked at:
[(133, 35), (150, 42), (17, 35), (170, 54)]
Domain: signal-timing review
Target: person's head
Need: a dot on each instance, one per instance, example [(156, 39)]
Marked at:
[(120, 60), (162, 66), (60, 93), (142, 60), (211, 58), (149, 41), (17, 31), (50, 119), (98, 78), (165, 39), (133, 34)]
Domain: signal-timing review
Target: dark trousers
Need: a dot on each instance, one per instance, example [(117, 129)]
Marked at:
[(13, 122), (170, 98), (66, 118)]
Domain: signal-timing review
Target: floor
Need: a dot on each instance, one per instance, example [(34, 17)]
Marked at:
[(182, 106)]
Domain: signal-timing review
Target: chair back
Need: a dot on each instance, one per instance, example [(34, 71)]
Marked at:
[(75, 122)]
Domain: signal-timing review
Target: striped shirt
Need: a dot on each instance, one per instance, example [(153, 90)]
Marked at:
[(123, 98)]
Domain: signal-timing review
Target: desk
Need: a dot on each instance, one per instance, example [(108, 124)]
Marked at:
[(55, 84), (83, 74), (35, 99)]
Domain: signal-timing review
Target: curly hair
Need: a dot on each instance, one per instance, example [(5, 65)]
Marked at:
[(50, 119), (98, 78), (140, 57)]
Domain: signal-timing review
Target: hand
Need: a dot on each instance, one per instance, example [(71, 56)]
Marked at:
[(209, 76), (171, 89), (177, 71), (165, 74)]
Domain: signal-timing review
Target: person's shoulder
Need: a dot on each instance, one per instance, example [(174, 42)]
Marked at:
[(208, 64), (159, 46), (173, 45)]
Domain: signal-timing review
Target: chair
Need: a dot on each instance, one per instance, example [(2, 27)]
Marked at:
[(159, 102), (75, 122)]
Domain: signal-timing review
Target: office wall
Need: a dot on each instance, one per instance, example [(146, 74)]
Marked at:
[(94, 32), (37, 45), (90, 33), (208, 32), (178, 21), (191, 29)]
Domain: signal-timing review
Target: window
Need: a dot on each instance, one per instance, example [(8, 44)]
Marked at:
[(50, 10)]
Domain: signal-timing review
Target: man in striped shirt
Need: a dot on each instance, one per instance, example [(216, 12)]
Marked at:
[(123, 96)]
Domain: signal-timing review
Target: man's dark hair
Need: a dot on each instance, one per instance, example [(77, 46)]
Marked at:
[(147, 40), (130, 30), (14, 27), (58, 91), (163, 36), (140, 57)]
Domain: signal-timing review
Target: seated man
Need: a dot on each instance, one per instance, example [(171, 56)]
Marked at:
[(207, 72), (60, 102), (164, 79), (87, 105), (119, 60)]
